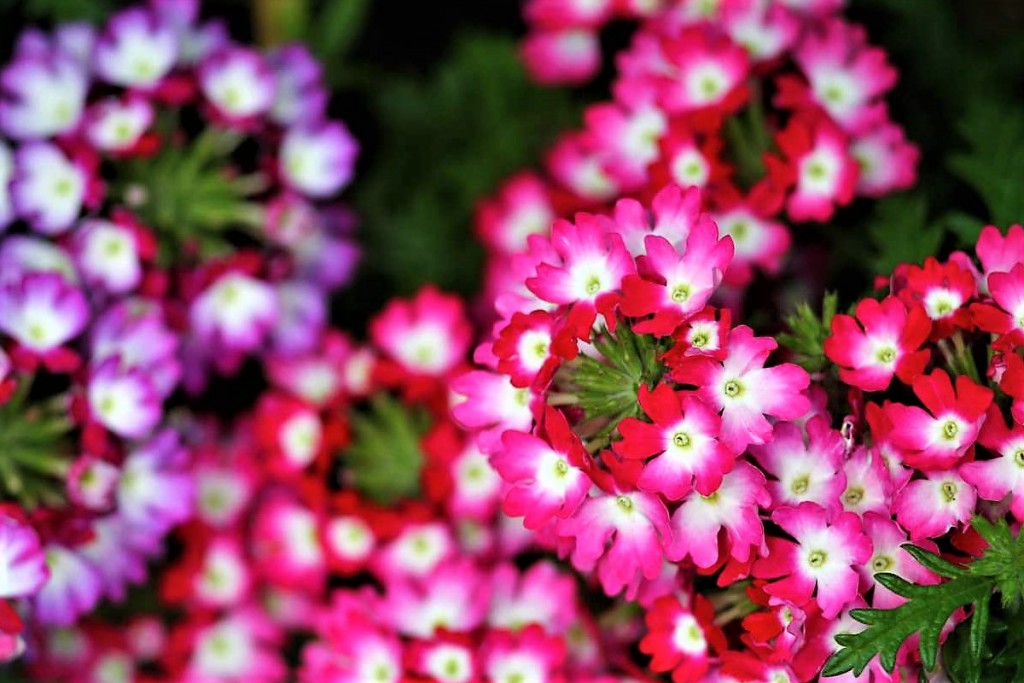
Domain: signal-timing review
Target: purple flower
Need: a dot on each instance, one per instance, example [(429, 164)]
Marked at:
[(48, 188), (135, 49), (135, 332), (6, 172), (123, 400), (302, 317), (235, 313), (21, 255), (42, 96), (119, 551), (22, 564), (156, 490), (301, 96), (318, 160), (74, 588), (42, 311), (238, 82), (107, 257)]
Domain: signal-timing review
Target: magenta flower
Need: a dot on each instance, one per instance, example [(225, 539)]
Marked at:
[(123, 400), (546, 477), (48, 189), (938, 438), (684, 441), (746, 391), (734, 506)]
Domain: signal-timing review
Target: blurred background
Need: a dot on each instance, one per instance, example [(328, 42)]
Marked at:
[(444, 111)]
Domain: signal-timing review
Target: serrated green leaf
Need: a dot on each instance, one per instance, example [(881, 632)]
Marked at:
[(934, 562), (925, 613), (385, 459)]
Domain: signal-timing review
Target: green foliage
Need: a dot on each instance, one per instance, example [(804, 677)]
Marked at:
[(35, 448), (899, 232), (994, 162), (807, 331), (385, 459), (445, 142), (62, 10), (929, 607), (336, 30)]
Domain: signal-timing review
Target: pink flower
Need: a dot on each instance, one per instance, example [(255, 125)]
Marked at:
[(887, 162), (824, 171), (938, 438), (491, 407), (929, 507), (846, 76), (1007, 291), (804, 472), (824, 556), (887, 539), (758, 241), (621, 534), (592, 262), (683, 439), (427, 335), (999, 253), (562, 56), (734, 506), (887, 345), (235, 312), (675, 286), (523, 348), (744, 390), (546, 478), (681, 639), (529, 655), (1002, 476), (704, 71), (117, 124), (522, 208)]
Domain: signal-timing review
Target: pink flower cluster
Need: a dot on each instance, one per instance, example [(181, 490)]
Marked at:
[(288, 572), (649, 441), (122, 188), (773, 108)]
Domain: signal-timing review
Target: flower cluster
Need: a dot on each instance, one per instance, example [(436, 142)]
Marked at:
[(646, 438), (347, 530), (775, 109), (165, 211)]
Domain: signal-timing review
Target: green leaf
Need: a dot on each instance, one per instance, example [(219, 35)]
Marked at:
[(807, 331), (989, 642), (899, 232), (926, 612), (446, 141), (992, 165)]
